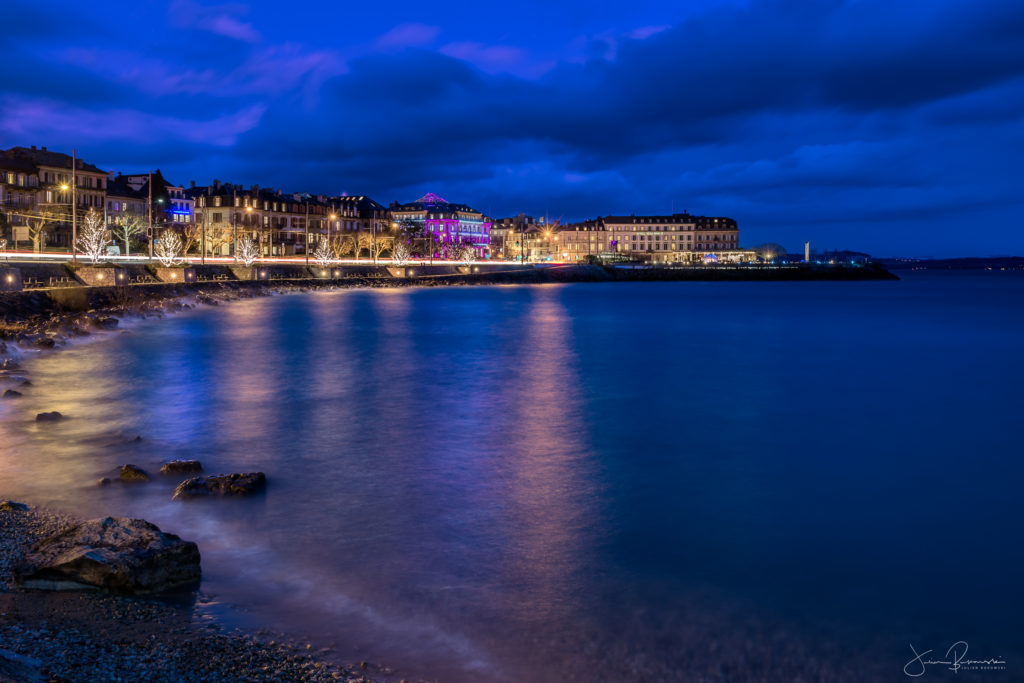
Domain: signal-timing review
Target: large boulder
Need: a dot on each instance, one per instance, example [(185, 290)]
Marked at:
[(181, 467), (222, 485), (132, 474), (52, 416), (117, 555)]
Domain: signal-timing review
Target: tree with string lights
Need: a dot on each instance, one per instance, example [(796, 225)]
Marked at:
[(92, 239)]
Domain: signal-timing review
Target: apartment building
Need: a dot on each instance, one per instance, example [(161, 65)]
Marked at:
[(678, 238), (55, 181)]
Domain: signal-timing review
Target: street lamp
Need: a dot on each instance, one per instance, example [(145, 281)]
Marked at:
[(248, 223), (64, 187)]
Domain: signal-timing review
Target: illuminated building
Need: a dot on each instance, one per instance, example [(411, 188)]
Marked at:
[(277, 220), (446, 223), (360, 213), (678, 238), (49, 174), (171, 207)]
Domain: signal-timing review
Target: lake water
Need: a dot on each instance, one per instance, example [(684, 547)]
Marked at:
[(593, 482)]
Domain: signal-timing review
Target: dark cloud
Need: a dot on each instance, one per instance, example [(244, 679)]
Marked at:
[(777, 112)]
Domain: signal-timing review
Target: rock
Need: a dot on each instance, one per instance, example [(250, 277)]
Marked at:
[(49, 417), (11, 393), (17, 667), (132, 474), (25, 383), (107, 323), (11, 506), (118, 555), (222, 484), (181, 467), (103, 481), (44, 342), (9, 364)]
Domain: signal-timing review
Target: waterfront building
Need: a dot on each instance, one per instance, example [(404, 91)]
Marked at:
[(521, 237), (446, 223), (277, 220), (678, 238), (359, 213), (171, 207), (125, 201), (19, 184), (53, 191)]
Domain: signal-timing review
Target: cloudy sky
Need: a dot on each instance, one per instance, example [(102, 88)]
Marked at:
[(890, 126)]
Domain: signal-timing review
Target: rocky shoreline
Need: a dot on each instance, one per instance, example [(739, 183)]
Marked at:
[(91, 636), (94, 636), (42, 320)]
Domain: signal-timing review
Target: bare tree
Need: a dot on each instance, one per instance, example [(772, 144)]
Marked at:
[(400, 254), (323, 255), (379, 245), (216, 238), (770, 251), (465, 253), (248, 250), (192, 238), (364, 240), (342, 244), (169, 248), (92, 240), (125, 228), (37, 223)]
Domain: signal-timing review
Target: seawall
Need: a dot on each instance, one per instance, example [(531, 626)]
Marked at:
[(219, 282)]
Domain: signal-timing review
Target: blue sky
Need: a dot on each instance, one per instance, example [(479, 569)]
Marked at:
[(894, 127)]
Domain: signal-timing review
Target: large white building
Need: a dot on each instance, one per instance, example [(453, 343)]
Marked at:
[(679, 238)]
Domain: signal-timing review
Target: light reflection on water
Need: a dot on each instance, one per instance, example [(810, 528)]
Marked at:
[(566, 482)]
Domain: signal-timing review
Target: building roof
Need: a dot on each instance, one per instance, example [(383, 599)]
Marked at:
[(16, 164), (431, 198), (362, 203), (119, 187), (431, 202), (44, 157), (674, 218)]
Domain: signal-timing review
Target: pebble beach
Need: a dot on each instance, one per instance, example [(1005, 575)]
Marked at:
[(90, 636)]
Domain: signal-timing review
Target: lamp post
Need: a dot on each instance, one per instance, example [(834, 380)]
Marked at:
[(64, 188), (332, 217), (74, 205), (234, 225), (307, 232), (161, 203), (206, 218), (248, 223)]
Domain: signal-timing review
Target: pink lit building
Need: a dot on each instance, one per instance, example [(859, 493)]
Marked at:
[(446, 224)]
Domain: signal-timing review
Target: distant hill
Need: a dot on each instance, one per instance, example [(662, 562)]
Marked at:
[(973, 263)]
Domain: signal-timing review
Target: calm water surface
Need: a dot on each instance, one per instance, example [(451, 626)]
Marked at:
[(645, 481)]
